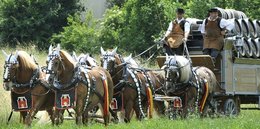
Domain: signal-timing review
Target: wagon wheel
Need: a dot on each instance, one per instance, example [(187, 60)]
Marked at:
[(230, 108)]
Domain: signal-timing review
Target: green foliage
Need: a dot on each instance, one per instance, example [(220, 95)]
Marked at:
[(78, 35), (111, 27), (199, 8), (24, 21), (133, 26), (119, 3)]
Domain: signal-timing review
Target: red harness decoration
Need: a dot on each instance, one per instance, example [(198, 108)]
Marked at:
[(22, 102), (177, 103), (106, 98), (205, 96), (150, 101), (65, 100)]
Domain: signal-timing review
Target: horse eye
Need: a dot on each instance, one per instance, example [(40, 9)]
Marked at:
[(55, 63)]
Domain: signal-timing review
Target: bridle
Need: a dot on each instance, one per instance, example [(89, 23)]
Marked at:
[(50, 59), (106, 59), (170, 68), (7, 68), (7, 74)]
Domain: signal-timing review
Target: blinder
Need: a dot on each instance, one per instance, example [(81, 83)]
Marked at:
[(7, 67)]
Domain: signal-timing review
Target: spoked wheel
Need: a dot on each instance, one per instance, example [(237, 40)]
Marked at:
[(230, 108)]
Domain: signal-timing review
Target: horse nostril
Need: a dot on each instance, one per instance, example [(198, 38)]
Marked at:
[(50, 80)]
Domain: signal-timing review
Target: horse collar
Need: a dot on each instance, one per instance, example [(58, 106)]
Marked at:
[(34, 79), (72, 83)]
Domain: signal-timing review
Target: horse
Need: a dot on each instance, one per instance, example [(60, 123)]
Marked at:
[(22, 76), (92, 86), (136, 85), (88, 62), (195, 85)]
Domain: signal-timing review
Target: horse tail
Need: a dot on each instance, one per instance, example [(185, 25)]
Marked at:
[(106, 98), (205, 96), (150, 101)]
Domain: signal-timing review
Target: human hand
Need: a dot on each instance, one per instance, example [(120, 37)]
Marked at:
[(184, 39), (223, 32)]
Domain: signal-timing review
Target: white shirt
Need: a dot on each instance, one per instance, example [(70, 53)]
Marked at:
[(186, 27), (223, 24)]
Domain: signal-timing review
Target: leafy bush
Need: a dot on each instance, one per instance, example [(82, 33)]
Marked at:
[(23, 21), (134, 26), (78, 35)]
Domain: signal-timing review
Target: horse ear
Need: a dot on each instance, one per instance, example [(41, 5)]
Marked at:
[(50, 49), (102, 51), (74, 55), (130, 56), (167, 56), (4, 53), (58, 47), (114, 51)]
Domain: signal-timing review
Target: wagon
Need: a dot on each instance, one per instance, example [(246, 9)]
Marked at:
[(238, 75)]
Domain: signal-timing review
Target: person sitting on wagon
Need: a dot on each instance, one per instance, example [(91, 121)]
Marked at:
[(177, 33), (213, 30)]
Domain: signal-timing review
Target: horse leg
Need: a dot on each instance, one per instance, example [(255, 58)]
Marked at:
[(105, 117), (159, 107), (137, 111), (51, 114), (61, 118), (114, 115), (22, 116), (30, 116), (128, 109), (85, 117), (79, 112)]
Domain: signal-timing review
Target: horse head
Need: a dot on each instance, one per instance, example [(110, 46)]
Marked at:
[(18, 68), (109, 60), (59, 63), (130, 61), (10, 68), (86, 59), (177, 71), (172, 73)]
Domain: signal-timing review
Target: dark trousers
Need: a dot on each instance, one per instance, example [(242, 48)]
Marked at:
[(212, 52), (173, 51)]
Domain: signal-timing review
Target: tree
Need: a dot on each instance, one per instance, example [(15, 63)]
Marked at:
[(24, 21), (133, 26), (78, 35)]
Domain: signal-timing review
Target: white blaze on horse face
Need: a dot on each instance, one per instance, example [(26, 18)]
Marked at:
[(105, 64), (49, 67), (6, 73)]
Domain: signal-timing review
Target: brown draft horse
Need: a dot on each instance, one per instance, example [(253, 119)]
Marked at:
[(92, 87), (132, 83), (193, 85), (22, 75)]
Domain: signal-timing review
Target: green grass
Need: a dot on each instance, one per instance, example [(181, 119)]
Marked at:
[(248, 119)]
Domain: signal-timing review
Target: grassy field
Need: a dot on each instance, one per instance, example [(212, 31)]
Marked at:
[(248, 119)]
